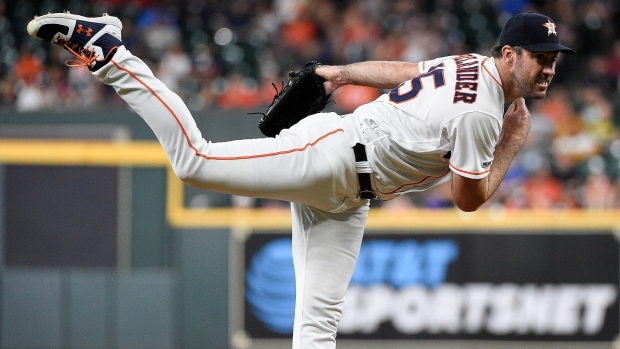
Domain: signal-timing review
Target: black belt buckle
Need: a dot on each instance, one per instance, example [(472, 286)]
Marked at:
[(367, 194), (366, 191)]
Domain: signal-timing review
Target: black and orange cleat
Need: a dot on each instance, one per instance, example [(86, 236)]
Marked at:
[(92, 40)]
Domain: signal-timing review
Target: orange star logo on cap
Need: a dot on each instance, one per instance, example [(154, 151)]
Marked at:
[(551, 27)]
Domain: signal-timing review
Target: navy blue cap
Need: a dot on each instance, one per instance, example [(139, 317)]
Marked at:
[(534, 32)]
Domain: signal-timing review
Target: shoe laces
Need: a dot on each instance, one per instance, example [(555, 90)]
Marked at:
[(85, 57)]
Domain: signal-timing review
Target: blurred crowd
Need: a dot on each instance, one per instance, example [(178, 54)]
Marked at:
[(227, 54)]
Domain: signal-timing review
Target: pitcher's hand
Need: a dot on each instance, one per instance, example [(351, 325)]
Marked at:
[(517, 121)]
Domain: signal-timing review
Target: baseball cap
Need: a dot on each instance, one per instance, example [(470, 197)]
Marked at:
[(534, 32)]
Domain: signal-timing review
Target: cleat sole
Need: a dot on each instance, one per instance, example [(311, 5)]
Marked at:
[(35, 24)]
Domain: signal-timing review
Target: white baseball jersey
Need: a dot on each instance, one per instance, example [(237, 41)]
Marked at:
[(447, 118)]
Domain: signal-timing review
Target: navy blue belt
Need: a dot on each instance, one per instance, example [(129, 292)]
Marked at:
[(366, 191)]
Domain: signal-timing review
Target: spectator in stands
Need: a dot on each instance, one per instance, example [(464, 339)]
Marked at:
[(28, 66), (300, 35), (27, 73), (359, 34), (240, 92), (597, 113), (7, 94), (159, 26), (599, 192), (542, 190), (174, 67)]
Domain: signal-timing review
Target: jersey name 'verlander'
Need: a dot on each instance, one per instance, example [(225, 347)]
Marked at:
[(447, 119), (467, 70)]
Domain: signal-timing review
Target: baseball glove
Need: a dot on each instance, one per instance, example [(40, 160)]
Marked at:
[(303, 95)]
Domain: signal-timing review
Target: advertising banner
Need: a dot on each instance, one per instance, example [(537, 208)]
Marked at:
[(500, 286)]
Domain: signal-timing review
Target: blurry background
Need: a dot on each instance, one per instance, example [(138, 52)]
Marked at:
[(223, 55), (93, 258)]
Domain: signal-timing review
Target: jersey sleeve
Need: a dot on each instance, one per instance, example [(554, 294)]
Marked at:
[(424, 66), (473, 137)]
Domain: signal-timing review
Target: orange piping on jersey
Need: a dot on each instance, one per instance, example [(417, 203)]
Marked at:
[(416, 183), (493, 77), (275, 153), (189, 142), (471, 173), (421, 70)]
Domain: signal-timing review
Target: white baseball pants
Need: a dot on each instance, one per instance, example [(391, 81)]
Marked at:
[(312, 165)]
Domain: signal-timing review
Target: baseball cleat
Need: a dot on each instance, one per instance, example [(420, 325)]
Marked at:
[(92, 40)]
